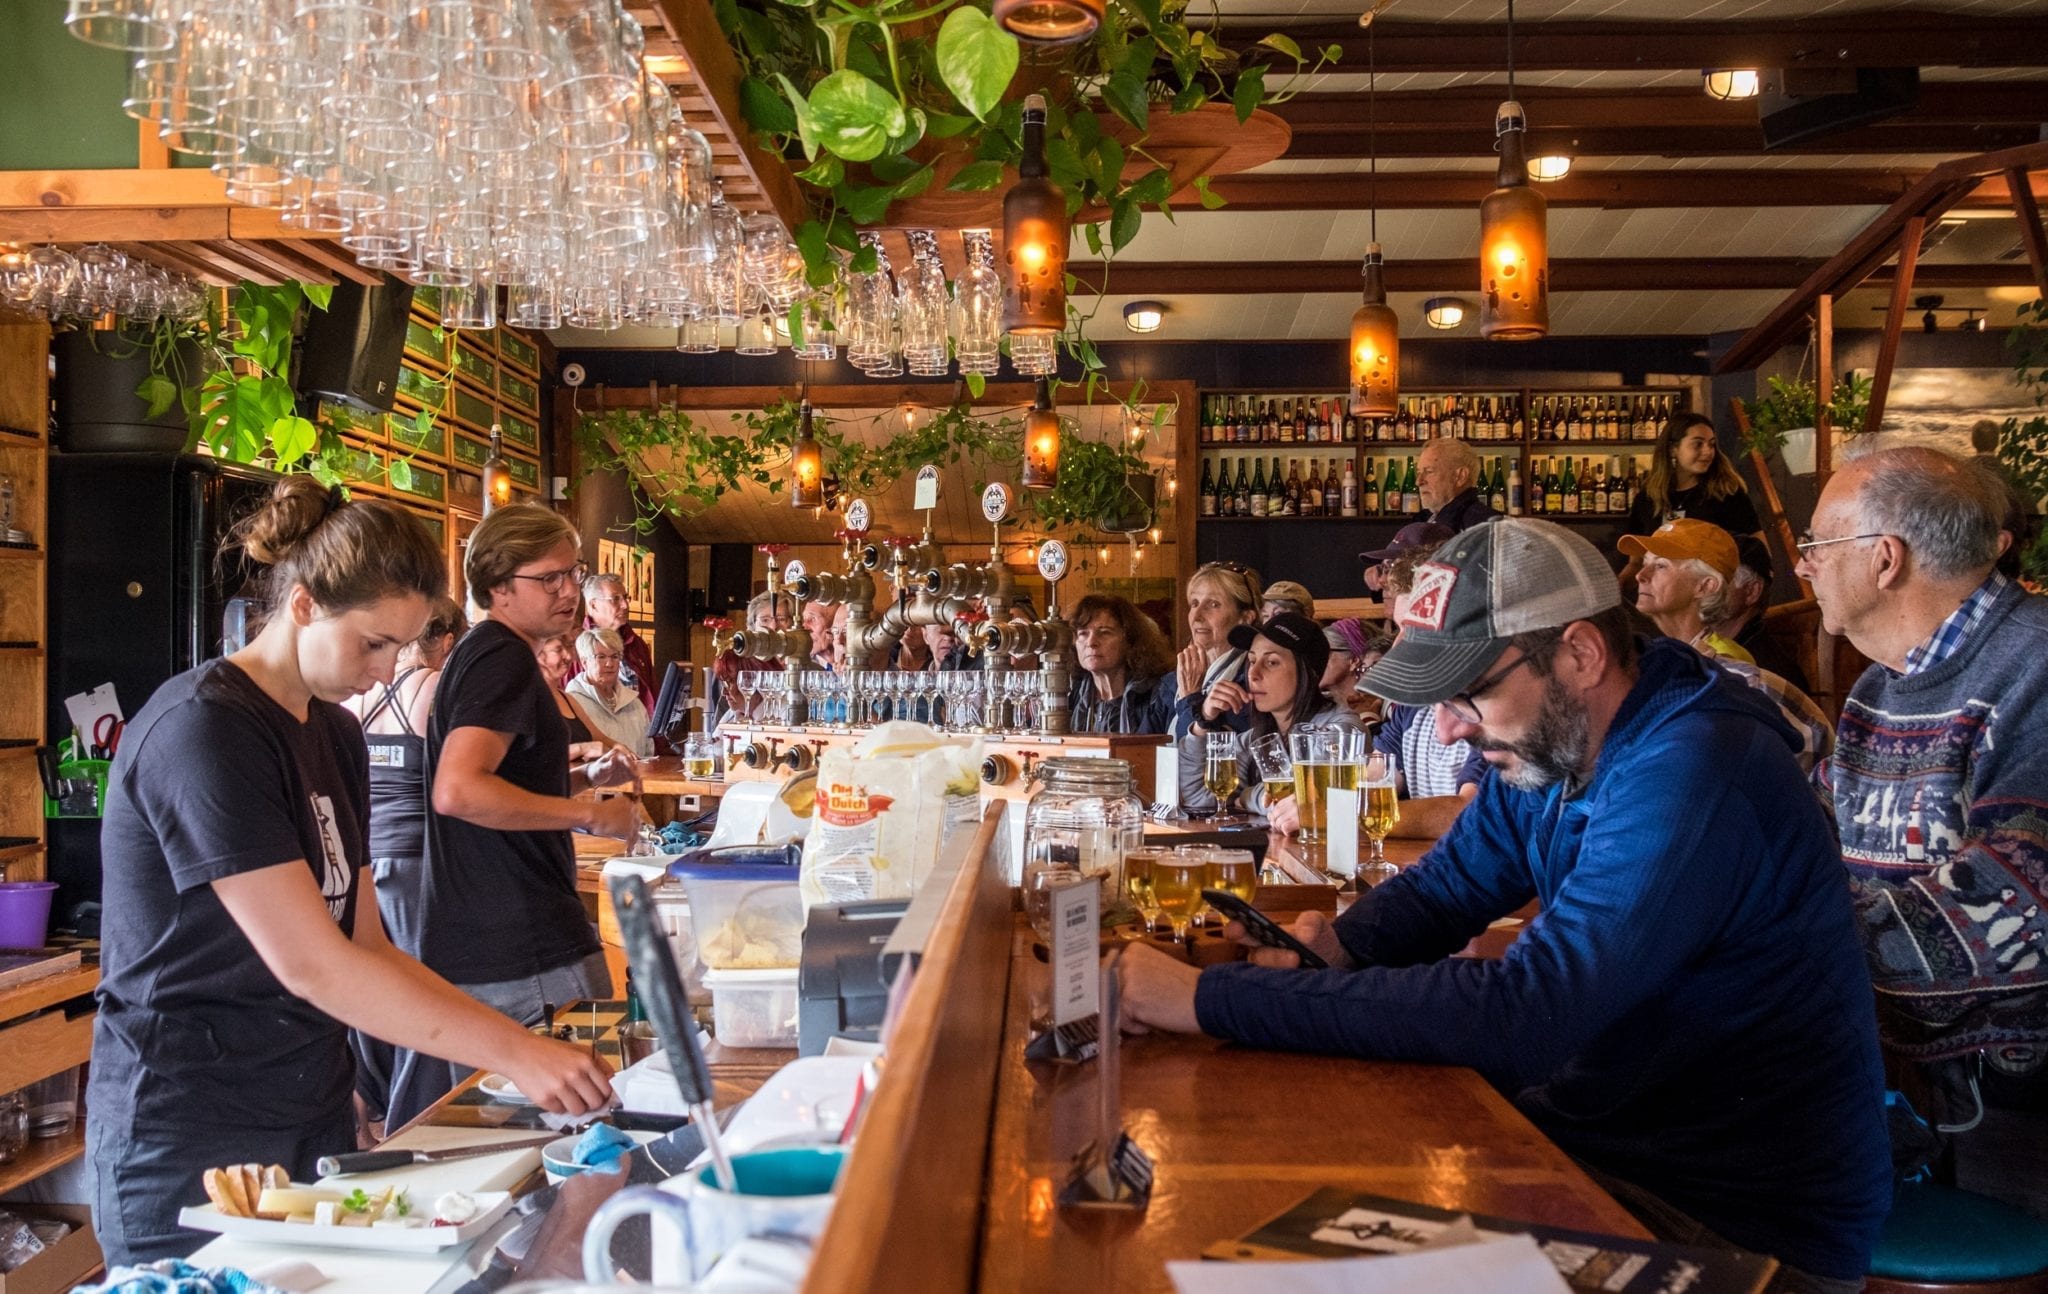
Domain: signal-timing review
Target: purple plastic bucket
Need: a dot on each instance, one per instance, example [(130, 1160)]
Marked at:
[(25, 913)]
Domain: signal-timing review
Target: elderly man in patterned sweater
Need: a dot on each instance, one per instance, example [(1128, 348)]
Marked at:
[(1940, 785)]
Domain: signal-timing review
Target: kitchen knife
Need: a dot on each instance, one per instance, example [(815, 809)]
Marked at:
[(377, 1161), (653, 963)]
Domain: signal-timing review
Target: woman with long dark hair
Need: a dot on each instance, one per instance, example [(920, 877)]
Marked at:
[(240, 942), (1121, 681), (1690, 477)]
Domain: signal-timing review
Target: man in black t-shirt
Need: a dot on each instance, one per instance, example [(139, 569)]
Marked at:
[(500, 916)]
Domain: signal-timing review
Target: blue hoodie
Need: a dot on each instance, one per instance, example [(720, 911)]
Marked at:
[(1691, 1012)]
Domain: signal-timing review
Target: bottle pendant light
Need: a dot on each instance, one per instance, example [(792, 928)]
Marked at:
[(1514, 251), (806, 465), (1042, 441), (1034, 238), (1375, 329)]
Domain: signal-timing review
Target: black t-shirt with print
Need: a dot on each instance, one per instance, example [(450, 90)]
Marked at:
[(1734, 513), (501, 904), (215, 779)]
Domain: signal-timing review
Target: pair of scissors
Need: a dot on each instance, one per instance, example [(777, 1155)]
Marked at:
[(106, 736)]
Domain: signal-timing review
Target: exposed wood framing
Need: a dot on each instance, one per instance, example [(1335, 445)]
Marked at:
[(2028, 212), (1587, 187), (1894, 321)]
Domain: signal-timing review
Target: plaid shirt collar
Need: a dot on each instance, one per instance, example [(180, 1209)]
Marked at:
[(1949, 637)]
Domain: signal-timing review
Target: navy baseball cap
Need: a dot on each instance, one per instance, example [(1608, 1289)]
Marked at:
[(1292, 632)]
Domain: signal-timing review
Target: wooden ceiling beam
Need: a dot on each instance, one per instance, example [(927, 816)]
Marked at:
[(1601, 274), (1467, 140), (1894, 38), (1949, 103), (717, 71), (1936, 192), (1587, 187)]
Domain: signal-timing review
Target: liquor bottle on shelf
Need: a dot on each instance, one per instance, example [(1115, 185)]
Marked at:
[(1247, 422), (1352, 434), (1514, 507), (1404, 421), (1242, 506), (1226, 495), (1568, 486), (1596, 486), (1515, 419), (1333, 491), (1312, 491), (1297, 422), (1497, 493), (1553, 490), (1617, 491), (1369, 493), (1208, 487), (1411, 498), (1633, 487), (1536, 499), (1259, 496), (1348, 497), (1290, 493)]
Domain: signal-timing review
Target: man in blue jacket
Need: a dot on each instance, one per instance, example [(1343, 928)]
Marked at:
[(1690, 1016)]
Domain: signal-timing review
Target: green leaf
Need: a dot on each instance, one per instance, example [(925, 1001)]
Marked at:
[(422, 423), (946, 125), (1210, 201), (806, 129), (1126, 97), (865, 261), (827, 172), (976, 176), (891, 168), (1191, 96), (915, 183), (1093, 231), (854, 117), (1251, 88), (810, 240), (1110, 156), (1149, 11), (977, 385), (1154, 186), (1063, 162), (319, 294), (1331, 53), (976, 59), (1282, 42), (1124, 219), (764, 109), (292, 438), (1084, 128), (158, 392), (865, 204), (796, 323), (400, 474)]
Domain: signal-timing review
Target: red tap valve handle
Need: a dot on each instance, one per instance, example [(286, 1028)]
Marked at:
[(772, 549), (718, 622)]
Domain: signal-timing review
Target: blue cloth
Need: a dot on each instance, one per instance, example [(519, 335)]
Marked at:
[(1428, 767), (173, 1276), (1690, 1012), (1948, 636), (602, 1146)]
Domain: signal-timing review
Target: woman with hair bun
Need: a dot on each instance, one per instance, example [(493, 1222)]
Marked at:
[(241, 939)]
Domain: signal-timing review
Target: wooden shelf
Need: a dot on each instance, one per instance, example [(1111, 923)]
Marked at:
[(21, 653), (1566, 446), (19, 434), (42, 1156), (9, 853), (9, 552), (37, 994)]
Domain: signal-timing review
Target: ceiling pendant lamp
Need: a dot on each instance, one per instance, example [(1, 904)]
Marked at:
[(1375, 329), (806, 464), (1034, 238), (1514, 251), (1049, 22), (1042, 441)]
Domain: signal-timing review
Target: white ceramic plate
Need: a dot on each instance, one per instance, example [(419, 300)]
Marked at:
[(491, 1206), (500, 1088), (806, 1101)]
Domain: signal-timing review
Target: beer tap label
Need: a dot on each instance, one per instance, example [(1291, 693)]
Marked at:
[(1052, 559), (858, 516), (927, 495), (995, 502), (793, 570)]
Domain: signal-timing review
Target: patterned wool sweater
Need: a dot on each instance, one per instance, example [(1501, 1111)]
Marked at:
[(1957, 938)]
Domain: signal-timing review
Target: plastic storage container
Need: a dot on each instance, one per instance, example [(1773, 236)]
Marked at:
[(745, 916), (753, 1008)]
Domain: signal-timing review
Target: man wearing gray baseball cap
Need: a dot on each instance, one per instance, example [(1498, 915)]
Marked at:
[(1690, 1015)]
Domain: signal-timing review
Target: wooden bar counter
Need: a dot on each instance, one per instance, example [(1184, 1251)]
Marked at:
[(953, 1180)]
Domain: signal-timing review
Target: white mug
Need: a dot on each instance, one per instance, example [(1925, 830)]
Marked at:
[(785, 1193)]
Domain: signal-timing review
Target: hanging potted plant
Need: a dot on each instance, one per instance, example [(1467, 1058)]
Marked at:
[(106, 386), (1784, 421), (1100, 485)]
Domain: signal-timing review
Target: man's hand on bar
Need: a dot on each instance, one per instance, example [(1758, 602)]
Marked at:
[(1312, 928), (1158, 991)]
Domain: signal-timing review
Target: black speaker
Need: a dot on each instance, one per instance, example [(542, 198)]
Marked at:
[(349, 351), (1798, 104)]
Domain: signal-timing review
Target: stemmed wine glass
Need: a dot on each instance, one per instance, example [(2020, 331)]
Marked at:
[(750, 690), (1378, 811)]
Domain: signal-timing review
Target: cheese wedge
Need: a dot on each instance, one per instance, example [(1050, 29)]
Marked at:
[(287, 1200)]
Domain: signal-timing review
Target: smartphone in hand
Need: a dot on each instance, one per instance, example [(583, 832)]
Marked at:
[(1262, 927)]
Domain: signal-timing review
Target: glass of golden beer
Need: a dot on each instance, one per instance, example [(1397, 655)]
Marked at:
[(1138, 864), (700, 757), (1325, 759), (1233, 870), (1219, 769), (1276, 767), (1177, 880), (1378, 811)]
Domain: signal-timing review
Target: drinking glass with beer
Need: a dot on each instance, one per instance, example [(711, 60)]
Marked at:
[(1325, 759), (1378, 811), (1219, 769), (1276, 768), (1138, 866), (1234, 871), (1177, 880), (700, 757)]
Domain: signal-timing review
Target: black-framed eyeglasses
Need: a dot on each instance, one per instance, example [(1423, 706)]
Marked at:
[(1465, 705), (554, 581)]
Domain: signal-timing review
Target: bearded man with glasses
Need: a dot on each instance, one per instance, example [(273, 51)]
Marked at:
[(1689, 1015)]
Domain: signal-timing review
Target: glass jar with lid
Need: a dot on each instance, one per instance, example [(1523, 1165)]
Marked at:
[(1083, 817)]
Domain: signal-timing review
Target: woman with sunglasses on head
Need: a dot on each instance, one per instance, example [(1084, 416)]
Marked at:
[(501, 916), (240, 940), (1285, 659), (1221, 596)]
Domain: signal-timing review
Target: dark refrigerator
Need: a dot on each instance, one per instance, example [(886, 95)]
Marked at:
[(144, 595)]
